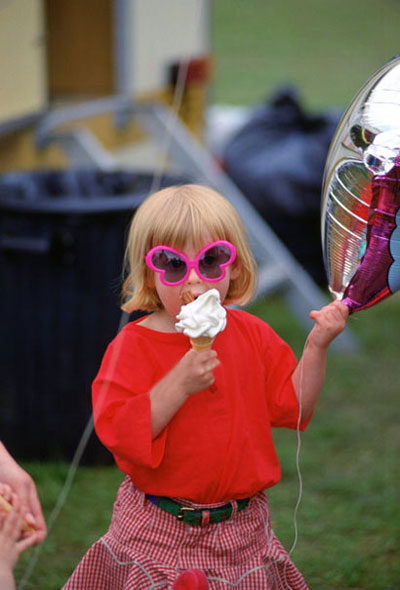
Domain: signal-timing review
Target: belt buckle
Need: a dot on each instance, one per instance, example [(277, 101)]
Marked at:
[(182, 510)]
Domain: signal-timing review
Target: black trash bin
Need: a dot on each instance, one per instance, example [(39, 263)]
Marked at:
[(62, 239)]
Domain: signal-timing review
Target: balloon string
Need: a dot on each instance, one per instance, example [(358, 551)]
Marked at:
[(298, 451), (172, 120)]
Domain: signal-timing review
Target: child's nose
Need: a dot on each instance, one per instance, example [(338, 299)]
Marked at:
[(193, 276)]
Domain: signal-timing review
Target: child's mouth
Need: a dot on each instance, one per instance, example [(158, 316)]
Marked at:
[(189, 296)]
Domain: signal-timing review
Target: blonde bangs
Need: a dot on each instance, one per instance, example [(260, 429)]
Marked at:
[(184, 216)]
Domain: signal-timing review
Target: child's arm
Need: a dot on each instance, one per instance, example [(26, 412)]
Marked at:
[(192, 374), (11, 546), (309, 374)]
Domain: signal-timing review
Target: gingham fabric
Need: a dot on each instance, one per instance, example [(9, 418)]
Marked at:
[(147, 548)]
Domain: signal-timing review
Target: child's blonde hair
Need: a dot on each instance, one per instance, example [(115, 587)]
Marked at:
[(171, 217)]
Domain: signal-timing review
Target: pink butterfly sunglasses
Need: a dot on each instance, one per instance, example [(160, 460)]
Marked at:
[(174, 267)]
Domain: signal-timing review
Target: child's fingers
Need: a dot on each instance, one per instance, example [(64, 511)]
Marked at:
[(338, 309), (203, 361), (29, 541), (28, 524), (206, 354), (5, 491), (12, 525), (211, 365), (198, 369), (5, 505), (206, 367), (37, 522), (335, 310), (330, 321), (30, 520), (8, 498)]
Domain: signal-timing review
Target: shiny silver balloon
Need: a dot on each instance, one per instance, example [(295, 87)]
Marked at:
[(361, 195)]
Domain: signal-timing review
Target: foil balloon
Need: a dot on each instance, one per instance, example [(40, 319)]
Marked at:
[(360, 219)]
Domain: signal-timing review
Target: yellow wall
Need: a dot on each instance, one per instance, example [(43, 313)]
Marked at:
[(22, 59)]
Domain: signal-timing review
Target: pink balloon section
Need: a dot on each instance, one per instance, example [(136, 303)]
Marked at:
[(378, 274)]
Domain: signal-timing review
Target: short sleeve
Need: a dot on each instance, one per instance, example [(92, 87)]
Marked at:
[(121, 405)]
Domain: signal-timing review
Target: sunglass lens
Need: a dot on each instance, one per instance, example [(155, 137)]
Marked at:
[(210, 264), (173, 266)]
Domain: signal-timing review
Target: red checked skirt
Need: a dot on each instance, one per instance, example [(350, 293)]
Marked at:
[(147, 548)]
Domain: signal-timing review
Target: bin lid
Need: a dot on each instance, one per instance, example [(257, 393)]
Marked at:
[(80, 191)]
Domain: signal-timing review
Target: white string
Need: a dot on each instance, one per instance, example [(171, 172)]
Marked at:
[(171, 123), (298, 469), (243, 577), (177, 99), (154, 585), (298, 450)]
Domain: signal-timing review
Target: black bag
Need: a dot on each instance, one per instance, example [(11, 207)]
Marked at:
[(277, 160)]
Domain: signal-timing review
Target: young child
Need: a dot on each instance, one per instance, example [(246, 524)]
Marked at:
[(192, 431), (12, 542)]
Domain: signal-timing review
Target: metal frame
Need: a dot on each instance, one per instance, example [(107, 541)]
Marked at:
[(278, 269)]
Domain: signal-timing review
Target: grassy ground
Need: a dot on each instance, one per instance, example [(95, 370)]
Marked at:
[(327, 48), (349, 529)]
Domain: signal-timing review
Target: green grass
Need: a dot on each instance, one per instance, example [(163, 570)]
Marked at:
[(348, 522), (82, 520), (327, 48)]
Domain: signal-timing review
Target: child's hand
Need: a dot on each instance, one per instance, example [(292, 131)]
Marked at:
[(192, 374), (9, 501), (11, 543), (22, 484), (195, 370), (8, 495), (330, 321)]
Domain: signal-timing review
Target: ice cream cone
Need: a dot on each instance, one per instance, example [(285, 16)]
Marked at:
[(201, 343), (201, 319), (6, 506)]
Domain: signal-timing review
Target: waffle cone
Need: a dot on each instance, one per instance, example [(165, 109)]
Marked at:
[(6, 507), (201, 343)]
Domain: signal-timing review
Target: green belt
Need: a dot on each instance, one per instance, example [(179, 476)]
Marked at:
[(195, 516)]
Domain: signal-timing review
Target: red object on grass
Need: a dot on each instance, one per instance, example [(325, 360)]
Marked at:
[(191, 580)]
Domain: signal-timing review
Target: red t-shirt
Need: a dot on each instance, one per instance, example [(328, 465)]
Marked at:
[(219, 445)]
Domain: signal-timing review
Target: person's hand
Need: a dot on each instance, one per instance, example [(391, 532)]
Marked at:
[(194, 371), (330, 321), (192, 374), (11, 542), (23, 487)]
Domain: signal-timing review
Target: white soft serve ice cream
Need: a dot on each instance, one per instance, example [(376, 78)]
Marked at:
[(204, 316)]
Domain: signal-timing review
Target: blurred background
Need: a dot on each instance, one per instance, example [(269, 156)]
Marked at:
[(88, 96)]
